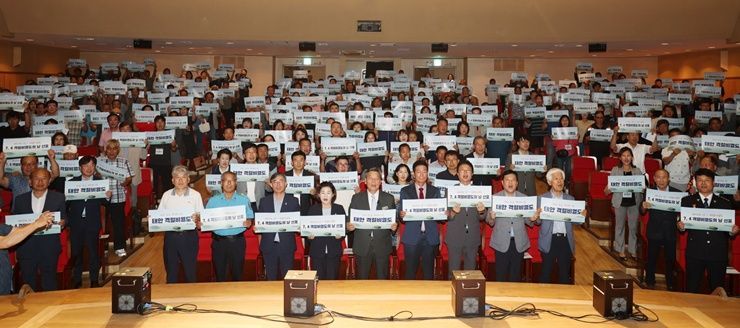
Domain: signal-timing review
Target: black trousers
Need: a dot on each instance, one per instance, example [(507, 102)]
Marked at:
[(326, 265), (162, 179), (180, 248), (669, 252), (695, 268), (40, 255), (424, 251), (228, 256), (560, 255), (85, 236), (461, 253), (277, 263), (509, 264), (364, 264), (117, 218)]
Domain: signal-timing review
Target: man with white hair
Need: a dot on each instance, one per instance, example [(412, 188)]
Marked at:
[(556, 241), (181, 247)]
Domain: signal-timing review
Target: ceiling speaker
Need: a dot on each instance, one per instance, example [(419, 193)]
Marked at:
[(440, 47), (142, 44), (307, 46), (596, 47)]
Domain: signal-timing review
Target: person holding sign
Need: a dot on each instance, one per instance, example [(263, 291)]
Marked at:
[(639, 150), (228, 246), (84, 225), (19, 183), (40, 253), (661, 232), (526, 180), (565, 148), (117, 201), (509, 238), (677, 161), (625, 205), (372, 246), (463, 227), (181, 247), (326, 252), (556, 241), (278, 247), (13, 130), (298, 159), (706, 250), (420, 238), (160, 160), (9, 237)]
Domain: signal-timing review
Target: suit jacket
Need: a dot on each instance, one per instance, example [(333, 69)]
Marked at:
[(412, 231), (306, 199), (91, 208), (463, 229), (502, 226), (707, 245), (54, 203), (381, 238), (661, 225), (545, 238), (331, 245), (617, 196), (287, 239)]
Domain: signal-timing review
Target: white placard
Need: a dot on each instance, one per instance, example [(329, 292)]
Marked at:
[(213, 182), (69, 168), (707, 91), (634, 124), (86, 189), (681, 141), (585, 108), (12, 102), (388, 123), (340, 180), (535, 112), (277, 222), (20, 147), (709, 219), (323, 226), (370, 149), (725, 185), (500, 134), (363, 116), (160, 137), (251, 172), (130, 139), (299, 184), (664, 200), (223, 218), (528, 163), (485, 166), (562, 210), (374, 219), (601, 135), (434, 141), (512, 207), (415, 146), (110, 170), (47, 130), (145, 116), (720, 144), (171, 220), (626, 183), (235, 146), (679, 98), (19, 220), (468, 196), (703, 117), (338, 146), (251, 135), (567, 133), (425, 209), (553, 116)]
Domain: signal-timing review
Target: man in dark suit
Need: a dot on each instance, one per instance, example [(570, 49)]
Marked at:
[(706, 250), (479, 151), (40, 253), (420, 238), (84, 225), (372, 245), (463, 227), (298, 158), (278, 248), (661, 232)]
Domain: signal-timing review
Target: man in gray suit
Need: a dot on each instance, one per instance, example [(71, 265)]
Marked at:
[(372, 245), (556, 240), (463, 227), (509, 238)]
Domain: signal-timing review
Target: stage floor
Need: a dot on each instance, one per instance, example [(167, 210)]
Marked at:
[(92, 307)]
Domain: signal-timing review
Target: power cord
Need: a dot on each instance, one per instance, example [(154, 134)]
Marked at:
[(154, 307), (530, 310)]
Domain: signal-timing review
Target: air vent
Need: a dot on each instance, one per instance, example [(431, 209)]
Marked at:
[(352, 52), (511, 65)]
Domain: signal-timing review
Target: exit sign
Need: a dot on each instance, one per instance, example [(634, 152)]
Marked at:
[(368, 26)]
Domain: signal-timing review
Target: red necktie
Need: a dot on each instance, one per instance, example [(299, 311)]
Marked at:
[(421, 193)]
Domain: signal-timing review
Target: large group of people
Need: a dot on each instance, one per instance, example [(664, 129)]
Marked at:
[(368, 144)]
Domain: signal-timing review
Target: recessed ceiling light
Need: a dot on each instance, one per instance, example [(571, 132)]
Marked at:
[(128, 46), (168, 42), (630, 49), (514, 45), (559, 45), (84, 39), (30, 40), (531, 55), (551, 52), (157, 51), (322, 44), (192, 48), (711, 47), (74, 46), (687, 50), (579, 45), (482, 55), (664, 44), (229, 42), (453, 44), (667, 53), (259, 53), (593, 55), (372, 44), (249, 49)]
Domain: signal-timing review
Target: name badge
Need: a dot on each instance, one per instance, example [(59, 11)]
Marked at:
[(159, 151)]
